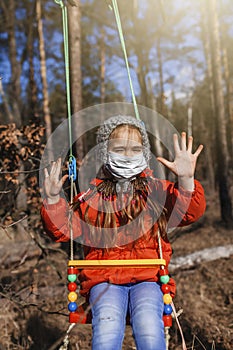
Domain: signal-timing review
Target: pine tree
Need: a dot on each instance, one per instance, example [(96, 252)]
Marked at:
[(220, 117)]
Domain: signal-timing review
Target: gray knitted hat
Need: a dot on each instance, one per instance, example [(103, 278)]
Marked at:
[(110, 124)]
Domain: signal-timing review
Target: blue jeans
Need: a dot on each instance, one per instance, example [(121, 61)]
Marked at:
[(110, 304)]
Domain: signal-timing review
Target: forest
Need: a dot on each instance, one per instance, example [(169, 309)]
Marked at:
[(180, 62)]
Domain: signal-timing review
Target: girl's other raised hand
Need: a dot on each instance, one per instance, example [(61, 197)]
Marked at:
[(53, 183)]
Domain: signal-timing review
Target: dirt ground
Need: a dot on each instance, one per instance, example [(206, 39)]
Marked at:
[(33, 306)]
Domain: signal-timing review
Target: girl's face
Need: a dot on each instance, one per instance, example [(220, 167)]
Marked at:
[(125, 140)]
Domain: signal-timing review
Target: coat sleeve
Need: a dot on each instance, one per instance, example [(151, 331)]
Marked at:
[(55, 220), (183, 207)]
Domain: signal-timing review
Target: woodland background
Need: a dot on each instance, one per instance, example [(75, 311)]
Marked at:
[(180, 55)]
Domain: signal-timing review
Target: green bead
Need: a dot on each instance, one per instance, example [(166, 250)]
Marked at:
[(164, 279), (72, 278)]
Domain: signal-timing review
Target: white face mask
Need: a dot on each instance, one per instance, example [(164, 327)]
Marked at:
[(125, 167)]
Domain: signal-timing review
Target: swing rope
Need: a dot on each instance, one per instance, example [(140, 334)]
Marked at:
[(122, 40), (67, 66), (72, 160)]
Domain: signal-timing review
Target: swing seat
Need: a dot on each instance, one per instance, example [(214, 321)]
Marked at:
[(82, 315), (100, 264)]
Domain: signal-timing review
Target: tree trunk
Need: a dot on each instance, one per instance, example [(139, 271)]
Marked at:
[(161, 106), (210, 130), (221, 136), (141, 73), (210, 173), (32, 88), (156, 146), (15, 96), (75, 57), (190, 119), (15, 89), (47, 117), (229, 99), (207, 53), (102, 66), (8, 114), (80, 149)]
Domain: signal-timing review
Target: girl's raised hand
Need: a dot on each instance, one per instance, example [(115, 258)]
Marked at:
[(52, 182), (184, 163)]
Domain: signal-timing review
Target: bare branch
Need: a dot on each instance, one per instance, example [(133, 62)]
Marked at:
[(4, 8), (5, 192), (14, 223)]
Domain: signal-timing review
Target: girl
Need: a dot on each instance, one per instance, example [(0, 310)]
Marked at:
[(120, 217)]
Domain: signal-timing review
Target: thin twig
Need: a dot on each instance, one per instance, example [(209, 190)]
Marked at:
[(16, 172), (5, 227), (195, 337), (14, 223), (24, 304)]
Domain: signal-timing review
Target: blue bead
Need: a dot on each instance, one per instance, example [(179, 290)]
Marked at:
[(167, 309), (72, 306)]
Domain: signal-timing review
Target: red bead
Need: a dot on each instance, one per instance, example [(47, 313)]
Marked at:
[(163, 272), (77, 317), (167, 320), (72, 270), (72, 286), (165, 288)]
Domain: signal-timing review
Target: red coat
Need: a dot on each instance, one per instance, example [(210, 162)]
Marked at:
[(181, 210)]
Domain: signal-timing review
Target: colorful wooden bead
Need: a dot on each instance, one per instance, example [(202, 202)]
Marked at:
[(167, 309), (167, 299), (72, 277), (165, 288), (72, 306), (72, 286), (77, 317), (163, 272), (164, 279), (167, 320), (72, 296), (72, 270)]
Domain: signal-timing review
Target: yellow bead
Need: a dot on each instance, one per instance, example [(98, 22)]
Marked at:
[(72, 296), (167, 299)]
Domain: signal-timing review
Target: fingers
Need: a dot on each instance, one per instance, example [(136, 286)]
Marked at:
[(170, 165), (46, 173), (63, 180), (176, 143), (198, 151), (183, 141), (165, 162), (190, 144), (184, 146), (56, 168), (53, 176)]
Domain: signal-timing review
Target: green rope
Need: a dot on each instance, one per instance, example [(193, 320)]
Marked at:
[(72, 161), (67, 67), (120, 31)]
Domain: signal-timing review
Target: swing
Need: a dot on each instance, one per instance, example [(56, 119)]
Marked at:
[(81, 313)]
